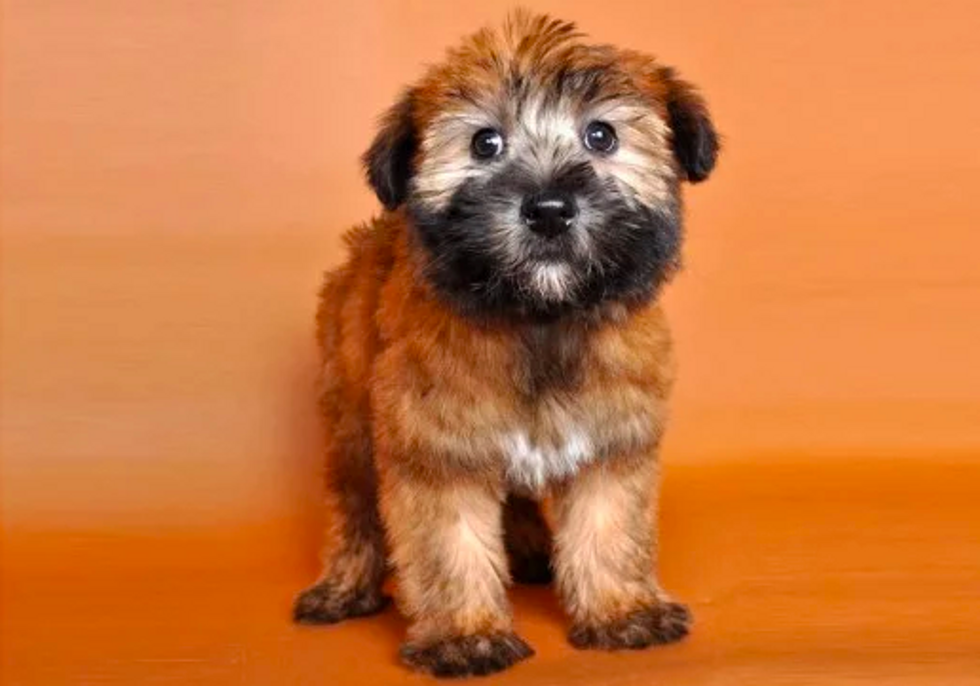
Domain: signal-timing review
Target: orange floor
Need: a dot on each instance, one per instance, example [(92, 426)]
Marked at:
[(813, 571)]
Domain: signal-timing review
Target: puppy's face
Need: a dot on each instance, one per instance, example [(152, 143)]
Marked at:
[(541, 174)]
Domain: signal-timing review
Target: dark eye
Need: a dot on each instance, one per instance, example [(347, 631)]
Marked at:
[(487, 144), (600, 137)]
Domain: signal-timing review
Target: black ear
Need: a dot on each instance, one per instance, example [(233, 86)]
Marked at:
[(388, 162), (695, 140)]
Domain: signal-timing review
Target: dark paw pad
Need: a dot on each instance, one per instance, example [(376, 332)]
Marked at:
[(531, 569), (467, 655), (324, 603), (662, 623)]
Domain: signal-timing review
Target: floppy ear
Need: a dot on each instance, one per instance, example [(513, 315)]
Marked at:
[(695, 140), (388, 162)]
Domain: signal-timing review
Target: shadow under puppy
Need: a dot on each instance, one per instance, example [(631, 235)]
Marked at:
[(494, 343)]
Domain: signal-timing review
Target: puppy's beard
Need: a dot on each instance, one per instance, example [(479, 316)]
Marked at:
[(552, 281), (545, 271)]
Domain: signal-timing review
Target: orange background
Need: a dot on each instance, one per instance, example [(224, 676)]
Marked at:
[(175, 177)]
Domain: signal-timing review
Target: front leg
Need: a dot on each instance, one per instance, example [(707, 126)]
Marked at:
[(447, 547), (605, 557)]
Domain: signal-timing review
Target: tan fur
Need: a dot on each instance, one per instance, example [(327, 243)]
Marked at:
[(604, 545), (437, 421), (447, 544), (443, 391)]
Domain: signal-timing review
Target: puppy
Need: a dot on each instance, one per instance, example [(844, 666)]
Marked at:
[(496, 365)]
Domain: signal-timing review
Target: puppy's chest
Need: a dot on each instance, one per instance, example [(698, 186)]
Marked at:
[(532, 458), (562, 433), (574, 413), (536, 410)]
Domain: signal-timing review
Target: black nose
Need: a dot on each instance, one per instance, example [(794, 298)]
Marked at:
[(549, 214)]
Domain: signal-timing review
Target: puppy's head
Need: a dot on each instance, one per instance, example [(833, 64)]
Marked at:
[(541, 174)]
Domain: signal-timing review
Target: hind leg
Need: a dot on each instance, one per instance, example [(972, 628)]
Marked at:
[(354, 551), (528, 541)]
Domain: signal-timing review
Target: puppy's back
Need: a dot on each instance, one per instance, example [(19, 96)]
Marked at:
[(347, 332)]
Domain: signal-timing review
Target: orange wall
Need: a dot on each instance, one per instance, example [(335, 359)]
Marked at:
[(176, 175)]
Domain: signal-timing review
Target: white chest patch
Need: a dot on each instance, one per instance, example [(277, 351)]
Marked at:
[(533, 466)]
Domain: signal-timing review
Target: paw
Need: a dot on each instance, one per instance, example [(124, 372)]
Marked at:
[(664, 622), (466, 655), (325, 603), (534, 569)]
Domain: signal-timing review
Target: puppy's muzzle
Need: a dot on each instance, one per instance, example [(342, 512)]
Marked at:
[(550, 213)]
